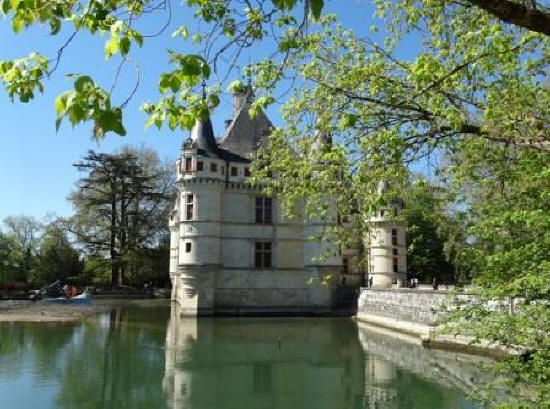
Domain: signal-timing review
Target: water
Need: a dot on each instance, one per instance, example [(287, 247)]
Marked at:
[(146, 357)]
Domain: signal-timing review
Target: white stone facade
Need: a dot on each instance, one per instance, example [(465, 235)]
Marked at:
[(232, 252)]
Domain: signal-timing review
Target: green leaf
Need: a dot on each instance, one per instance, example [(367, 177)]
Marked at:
[(124, 46), (5, 7), (60, 104), (17, 24), (55, 26), (235, 86), (316, 7), (82, 83), (111, 46)]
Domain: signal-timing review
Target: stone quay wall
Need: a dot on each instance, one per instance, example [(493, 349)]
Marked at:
[(412, 311)]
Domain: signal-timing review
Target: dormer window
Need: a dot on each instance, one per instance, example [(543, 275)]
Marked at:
[(213, 167), (247, 172), (199, 166), (234, 171)]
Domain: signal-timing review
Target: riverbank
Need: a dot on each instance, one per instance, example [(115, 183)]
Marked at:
[(42, 311)]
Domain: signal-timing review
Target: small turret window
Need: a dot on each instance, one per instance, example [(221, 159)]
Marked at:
[(188, 247), (394, 237), (189, 207), (199, 166), (188, 162)]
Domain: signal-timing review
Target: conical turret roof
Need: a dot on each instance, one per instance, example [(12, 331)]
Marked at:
[(203, 138)]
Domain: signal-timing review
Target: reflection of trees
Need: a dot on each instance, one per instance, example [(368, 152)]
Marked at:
[(41, 345), (114, 361), (114, 365), (119, 361)]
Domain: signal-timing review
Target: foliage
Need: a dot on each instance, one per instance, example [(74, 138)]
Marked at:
[(11, 258), (57, 258), (22, 245), (508, 192), (121, 207), (425, 217), (476, 91)]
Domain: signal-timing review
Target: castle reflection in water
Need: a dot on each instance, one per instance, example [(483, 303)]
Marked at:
[(306, 363)]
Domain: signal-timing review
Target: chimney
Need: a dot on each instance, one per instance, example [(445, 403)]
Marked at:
[(242, 97)]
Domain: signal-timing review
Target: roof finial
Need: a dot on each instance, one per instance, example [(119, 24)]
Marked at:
[(203, 89)]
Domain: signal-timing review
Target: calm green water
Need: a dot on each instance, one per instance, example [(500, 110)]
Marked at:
[(146, 357)]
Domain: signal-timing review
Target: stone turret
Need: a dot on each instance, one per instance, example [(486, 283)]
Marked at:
[(200, 182), (387, 244)]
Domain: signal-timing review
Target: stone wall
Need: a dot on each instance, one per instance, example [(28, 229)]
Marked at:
[(411, 311)]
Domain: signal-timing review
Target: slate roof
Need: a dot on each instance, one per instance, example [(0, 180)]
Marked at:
[(202, 136)]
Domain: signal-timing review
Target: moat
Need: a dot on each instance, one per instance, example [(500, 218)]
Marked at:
[(145, 356)]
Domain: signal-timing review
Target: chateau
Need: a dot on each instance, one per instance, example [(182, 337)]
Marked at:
[(232, 252)]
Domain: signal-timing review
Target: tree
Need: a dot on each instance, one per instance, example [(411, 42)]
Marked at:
[(509, 226), (121, 206), (233, 26), (57, 259), (426, 237), (11, 257), (477, 85), (25, 230)]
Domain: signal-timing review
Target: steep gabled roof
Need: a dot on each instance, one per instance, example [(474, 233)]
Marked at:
[(245, 134)]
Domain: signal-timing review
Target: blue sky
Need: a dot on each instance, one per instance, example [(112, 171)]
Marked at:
[(35, 162)]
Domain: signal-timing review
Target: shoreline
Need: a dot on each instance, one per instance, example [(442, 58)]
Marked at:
[(42, 311)]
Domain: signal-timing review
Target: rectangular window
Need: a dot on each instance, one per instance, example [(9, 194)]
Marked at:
[(247, 172), (264, 210), (189, 210), (188, 247), (199, 166), (262, 254), (233, 171), (345, 266), (213, 167), (394, 237), (188, 164), (395, 265), (395, 252)]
